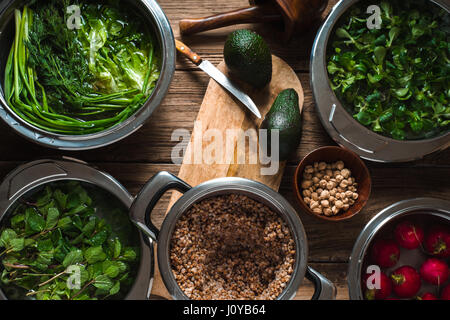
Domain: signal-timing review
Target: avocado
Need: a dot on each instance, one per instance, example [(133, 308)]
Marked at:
[(284, 115), (248, 57)]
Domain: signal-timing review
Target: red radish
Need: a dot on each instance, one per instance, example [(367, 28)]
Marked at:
[(378, 294), (428, 296), (385, 253), (406, 282), (408, 235), (437, 242), (434, 271), (445, 295)]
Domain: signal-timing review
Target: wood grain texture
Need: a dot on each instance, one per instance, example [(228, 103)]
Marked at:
[(137, 158)]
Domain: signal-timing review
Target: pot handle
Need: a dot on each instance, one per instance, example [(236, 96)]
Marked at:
[(148, 197), (324, 288)]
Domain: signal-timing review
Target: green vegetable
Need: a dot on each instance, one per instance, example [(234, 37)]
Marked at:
[(394, 80), (284, 115), (79, 81), (248, 56), (45, 239)]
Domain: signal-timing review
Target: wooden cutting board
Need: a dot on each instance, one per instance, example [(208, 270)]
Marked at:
[(221, 115)]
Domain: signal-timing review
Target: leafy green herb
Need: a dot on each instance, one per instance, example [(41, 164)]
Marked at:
[(79, 81), (45, 239), (394, 80)]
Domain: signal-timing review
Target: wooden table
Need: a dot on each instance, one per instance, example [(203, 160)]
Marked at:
[(137, 158)]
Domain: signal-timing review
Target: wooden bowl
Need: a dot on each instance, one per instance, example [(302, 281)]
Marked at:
[(352, 162)]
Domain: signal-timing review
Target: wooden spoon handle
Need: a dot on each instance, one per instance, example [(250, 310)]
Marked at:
[(254, 14), (185, 50)]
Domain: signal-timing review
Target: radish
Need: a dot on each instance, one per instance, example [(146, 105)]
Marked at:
[(408, 235), (406, 282), (385, 253), (434, 271), (437, 242), (427, 296), (379, 294), (445, 295)]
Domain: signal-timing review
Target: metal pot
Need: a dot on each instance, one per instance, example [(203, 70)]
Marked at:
[(340, 124), (34, 175), (419, 208), (146, 200), (156, 18)]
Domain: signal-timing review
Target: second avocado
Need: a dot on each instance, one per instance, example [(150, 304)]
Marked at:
[(248, 56), (284, 115)]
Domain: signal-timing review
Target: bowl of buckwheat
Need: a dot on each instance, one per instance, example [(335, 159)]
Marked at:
[(332, 183)]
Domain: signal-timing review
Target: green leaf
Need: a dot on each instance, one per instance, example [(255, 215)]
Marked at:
[(117, 248), (52, 218), (17, 244), (110, 269), (379, 53), (73, 257), (99, 238), (94, 254), (103, 282), (6, 237), (34, 221), (64, 222), (45, 245), (115, 289), (89, 227), (129, 254)]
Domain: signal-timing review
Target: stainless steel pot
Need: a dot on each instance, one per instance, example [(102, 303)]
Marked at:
[(155, 17), (340, 124), (427, 208), (33, 175), (146, 200)]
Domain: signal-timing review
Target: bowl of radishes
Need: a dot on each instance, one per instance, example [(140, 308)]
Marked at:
[(403, 253)]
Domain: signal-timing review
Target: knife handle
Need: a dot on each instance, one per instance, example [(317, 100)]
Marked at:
[(185, 50)]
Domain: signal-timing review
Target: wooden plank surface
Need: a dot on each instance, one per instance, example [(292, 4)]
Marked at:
[(135, 159)]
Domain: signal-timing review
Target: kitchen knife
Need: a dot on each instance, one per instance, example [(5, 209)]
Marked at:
[(218, 76)]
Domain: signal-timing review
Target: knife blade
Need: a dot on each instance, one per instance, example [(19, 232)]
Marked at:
[(219, 77)]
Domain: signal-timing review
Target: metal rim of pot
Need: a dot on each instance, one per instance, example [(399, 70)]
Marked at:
[(35, 174), (150, 194), (340, 124), (434, 207), (162, 29)]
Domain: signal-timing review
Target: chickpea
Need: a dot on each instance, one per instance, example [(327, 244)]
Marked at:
[(334, 210), (322, 183), (315, 179), (307, 176), (331, 199), (324, 194), (324, 203), (306, 193), (351, 202), (339, 204), (330, 185), (306, 184), (319, 191), (313, 204), (317, 210), (322, 165), (314, 196), (348, 193), (340, 165), (327, 212), (307, 200), (343, 184), (345, 200), (329, 172), (339, 178), (354, 196), (326, 177), (345, 207), (345, 173), (309, 169), (333, 192)]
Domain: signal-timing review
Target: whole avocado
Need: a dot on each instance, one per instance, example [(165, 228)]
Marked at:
[(284, 115), (248, 56)]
